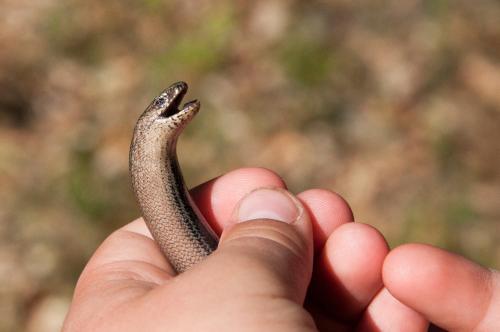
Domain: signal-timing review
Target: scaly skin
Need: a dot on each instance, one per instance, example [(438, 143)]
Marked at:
[(173, 219)]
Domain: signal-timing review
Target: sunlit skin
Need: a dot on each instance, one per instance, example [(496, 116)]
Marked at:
[(263, 272)]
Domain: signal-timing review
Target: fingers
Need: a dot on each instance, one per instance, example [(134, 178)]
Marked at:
[(327, 210), (217, 198), (349, 270), (132, 244), (385, 313), (450, 291)]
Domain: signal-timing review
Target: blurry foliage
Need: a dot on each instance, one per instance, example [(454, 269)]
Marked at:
[(307, 61), (395, 105), (201, 49), (85, 189)]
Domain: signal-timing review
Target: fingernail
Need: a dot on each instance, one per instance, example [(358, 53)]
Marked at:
[(267, 203)]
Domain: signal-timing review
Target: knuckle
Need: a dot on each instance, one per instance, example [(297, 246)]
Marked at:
[(267, 236)]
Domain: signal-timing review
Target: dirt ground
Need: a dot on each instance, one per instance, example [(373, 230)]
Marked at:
[(394, 105)]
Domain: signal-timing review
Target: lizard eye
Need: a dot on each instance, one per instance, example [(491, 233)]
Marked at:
[(160, 102)]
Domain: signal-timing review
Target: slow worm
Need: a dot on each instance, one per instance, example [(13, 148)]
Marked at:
[(167, 208)]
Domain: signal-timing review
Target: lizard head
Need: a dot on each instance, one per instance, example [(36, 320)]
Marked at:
[(166, 108)]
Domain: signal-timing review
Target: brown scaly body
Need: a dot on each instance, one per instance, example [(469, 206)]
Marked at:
[(174, 221)]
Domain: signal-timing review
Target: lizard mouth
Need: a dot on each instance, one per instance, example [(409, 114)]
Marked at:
[(168, 103)]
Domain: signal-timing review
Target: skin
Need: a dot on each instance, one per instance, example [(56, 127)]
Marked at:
[(128, 285)]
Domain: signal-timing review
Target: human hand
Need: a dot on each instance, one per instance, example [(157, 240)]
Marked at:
[(258, 278)]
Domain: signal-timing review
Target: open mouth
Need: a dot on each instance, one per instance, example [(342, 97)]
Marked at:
[(170, 100)]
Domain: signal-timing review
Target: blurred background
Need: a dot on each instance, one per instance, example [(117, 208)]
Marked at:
[(393, 104)]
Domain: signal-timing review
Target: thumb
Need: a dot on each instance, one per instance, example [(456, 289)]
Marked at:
[(267, 250)]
